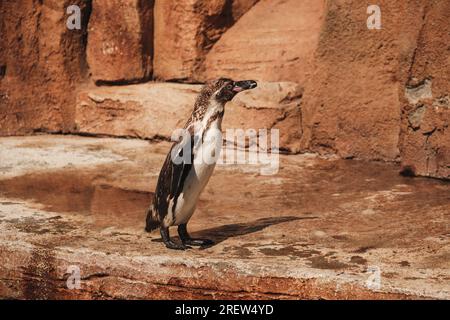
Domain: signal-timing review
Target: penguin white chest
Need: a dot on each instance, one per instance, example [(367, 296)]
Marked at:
[(206, 154)]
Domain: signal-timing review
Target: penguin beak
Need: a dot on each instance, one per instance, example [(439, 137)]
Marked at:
[(244, 85)]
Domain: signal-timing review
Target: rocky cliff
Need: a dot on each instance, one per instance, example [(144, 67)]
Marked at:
[(329, 83)]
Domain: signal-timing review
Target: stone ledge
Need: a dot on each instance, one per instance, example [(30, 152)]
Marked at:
[(277, 239), (155, 110), (112, 276)]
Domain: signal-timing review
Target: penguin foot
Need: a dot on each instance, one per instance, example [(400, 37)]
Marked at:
[(176, 246), (186, 238), (198, 242), (169, 243)]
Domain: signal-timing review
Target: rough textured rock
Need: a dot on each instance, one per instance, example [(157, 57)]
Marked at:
[(240, 7), (352, 224), (120, 40), (186, 30), (148, 110), (425, 139), (42, 61), (155, 110), (351, 102), (272, 105), (369, 94), (274, 41)]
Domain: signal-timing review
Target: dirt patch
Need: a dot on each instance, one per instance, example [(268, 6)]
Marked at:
[(288, 251), (358, 260), (321, 262)]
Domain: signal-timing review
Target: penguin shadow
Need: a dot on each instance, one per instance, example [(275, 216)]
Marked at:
[(222, 233)]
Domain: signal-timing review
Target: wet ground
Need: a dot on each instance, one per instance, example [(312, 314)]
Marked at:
[(319, 228)]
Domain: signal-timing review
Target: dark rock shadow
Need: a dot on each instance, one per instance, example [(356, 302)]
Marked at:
[(222, 233)]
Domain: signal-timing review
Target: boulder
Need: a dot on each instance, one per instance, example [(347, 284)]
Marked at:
[(42, 63), (272, 105), (186, 30), (147, 111), (274, 41), (155, 110), (351, 103), (120, 41), (425, 135)]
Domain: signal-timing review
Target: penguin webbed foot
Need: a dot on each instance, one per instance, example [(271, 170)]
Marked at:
[(198, 242), (169, 243), (176, 246), (187, 240)]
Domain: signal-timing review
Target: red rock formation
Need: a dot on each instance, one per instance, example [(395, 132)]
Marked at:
[(352, 105), (186, 30), (275, 41), (120, 41), (369, 94), (42, 62), (155, 110), (425, 138), (147, 110)]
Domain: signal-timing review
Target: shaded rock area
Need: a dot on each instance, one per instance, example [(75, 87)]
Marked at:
[(319, 229)]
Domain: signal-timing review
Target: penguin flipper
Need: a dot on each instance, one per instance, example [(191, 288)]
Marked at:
[(173, 174), (181, 166)]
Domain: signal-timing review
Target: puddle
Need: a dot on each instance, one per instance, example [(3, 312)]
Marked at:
[(74, 192)]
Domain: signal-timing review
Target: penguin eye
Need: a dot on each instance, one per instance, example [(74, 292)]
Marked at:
[(229, 87)]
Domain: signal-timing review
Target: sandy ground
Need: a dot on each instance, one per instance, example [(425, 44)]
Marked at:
[(319, 228)]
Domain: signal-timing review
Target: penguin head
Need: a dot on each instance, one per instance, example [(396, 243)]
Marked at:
[(225, 89)]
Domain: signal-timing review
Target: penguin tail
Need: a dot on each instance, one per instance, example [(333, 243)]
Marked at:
[(151, 223)]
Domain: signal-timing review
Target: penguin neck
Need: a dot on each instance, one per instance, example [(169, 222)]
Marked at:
[(213, 115)]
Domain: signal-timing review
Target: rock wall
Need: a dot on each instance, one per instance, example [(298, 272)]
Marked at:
[(120, 40), (352, 105), (186, 30), (425, 134), (42, 63), (366, 94), (275, 41), (382, 94)]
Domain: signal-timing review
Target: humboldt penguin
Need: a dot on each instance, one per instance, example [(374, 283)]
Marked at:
[(190, 163)]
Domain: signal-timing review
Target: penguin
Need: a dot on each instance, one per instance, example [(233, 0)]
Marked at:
[(190, 163)]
